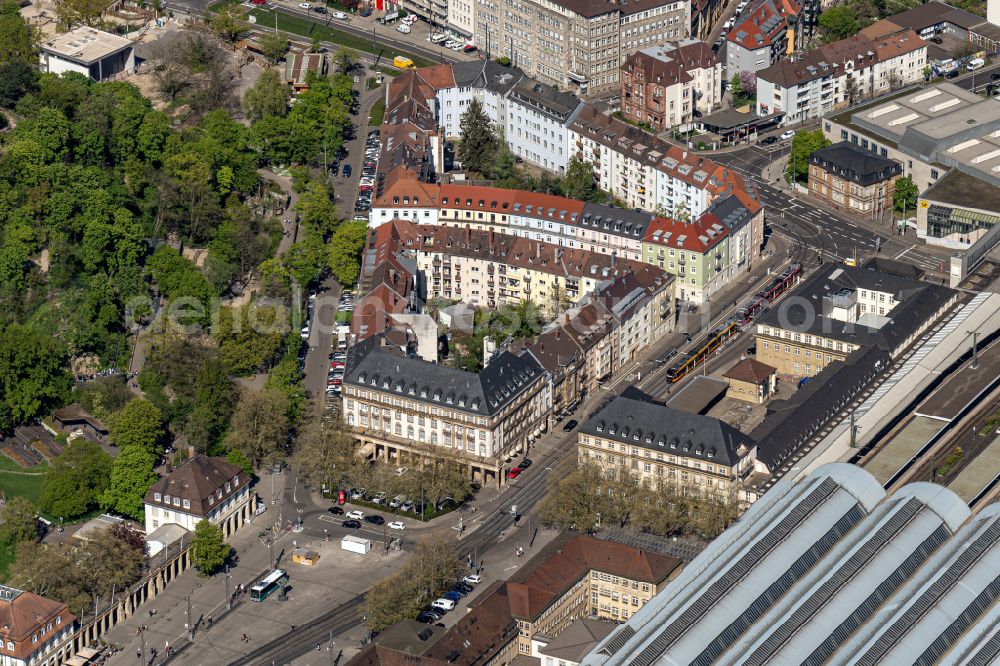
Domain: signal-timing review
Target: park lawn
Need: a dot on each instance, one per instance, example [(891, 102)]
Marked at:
[(306, 28), (377, 113), (21, 485)]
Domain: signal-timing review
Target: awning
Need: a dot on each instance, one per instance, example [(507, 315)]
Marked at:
[(519, 448), (87, 653), (366, 450)]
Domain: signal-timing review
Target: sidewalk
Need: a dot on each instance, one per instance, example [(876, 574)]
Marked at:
[(207, 596)]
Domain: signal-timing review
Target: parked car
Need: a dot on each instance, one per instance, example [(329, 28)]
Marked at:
[(339, 15), (358, 494), (375, 520), (452, 595), (462, 586), (352, 524), (473, 579), (397, 501), (787, 134), (768, 140), (525, 464), (397, 525), (400, 471), (305, 5), (365, 13), (406, 506), (514, 472), (444, 604), (347, 171), (320, 9), (355, 514), (336, 510), (427, 617), (470, 48), (572, 423)]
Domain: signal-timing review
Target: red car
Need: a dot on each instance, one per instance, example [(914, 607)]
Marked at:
[(259, 2), (337, 364), (513, 472)]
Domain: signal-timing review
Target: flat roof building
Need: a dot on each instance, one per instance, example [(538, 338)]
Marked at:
[(826, 570), (88, 51)]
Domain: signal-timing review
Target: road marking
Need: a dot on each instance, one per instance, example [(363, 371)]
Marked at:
[(902, 253), (329, 519)]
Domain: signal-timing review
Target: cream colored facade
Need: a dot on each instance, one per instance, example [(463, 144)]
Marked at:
[(799, 354), (596, 594), (666, 469), (394, 427)]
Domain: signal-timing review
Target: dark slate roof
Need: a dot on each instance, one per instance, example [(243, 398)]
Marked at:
[(619, 221), (588, 8), (485, 393), (486, 74), (850, 162), (545, 99), (731, 212), (933, 13), (197, 480), (918, 303), (790, 423), (658, 428)]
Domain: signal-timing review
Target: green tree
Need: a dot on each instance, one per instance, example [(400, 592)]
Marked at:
[(132, 474), (345, 60), (478, 142), (20, 521), (325, 450), (228, 23), (18, 40), (574, 500), (76, 480), (316, 209), (17, 79), (838, 22), (250, 337), (209, 550), (804, 144), (275, 280), (72, 13), (904, 196), (578, 182), (274, 46), (33, 376), (259, 427), (213, 400), (139, 424), (237, 458), (345, 251), (268, 97)]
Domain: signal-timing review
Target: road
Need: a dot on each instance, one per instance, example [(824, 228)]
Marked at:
[(815, 230)]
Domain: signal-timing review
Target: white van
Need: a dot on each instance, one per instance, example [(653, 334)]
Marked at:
[(438, 38), (403, 28), (975, 63)]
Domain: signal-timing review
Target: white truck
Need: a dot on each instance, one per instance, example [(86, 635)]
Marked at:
[(355, 544)]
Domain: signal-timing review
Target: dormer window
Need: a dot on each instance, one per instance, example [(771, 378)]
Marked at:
[(157, 497), (211, 500), (166, 498), (58, 620), (227, 487), (187, 504), (10, 645), (177, 501), (218, 493), (236, 480)]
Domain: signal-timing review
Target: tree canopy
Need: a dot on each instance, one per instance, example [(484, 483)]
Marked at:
[(478, 144), (209, 550), (139, 424), (76, 480)]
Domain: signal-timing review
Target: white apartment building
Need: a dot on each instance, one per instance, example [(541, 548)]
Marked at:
[(485, 81), (840, 74), (537, 115), (206, 488)]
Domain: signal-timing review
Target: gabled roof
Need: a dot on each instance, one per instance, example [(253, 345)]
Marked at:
[(670, 63), (763, 24), (700, 235), (579, 638)]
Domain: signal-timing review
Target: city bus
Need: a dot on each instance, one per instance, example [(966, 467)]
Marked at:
[(268, 585)]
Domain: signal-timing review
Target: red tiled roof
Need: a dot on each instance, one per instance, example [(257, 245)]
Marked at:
[(750, 370), (565, 560), (746, 33), (707, 226), (26, 614)]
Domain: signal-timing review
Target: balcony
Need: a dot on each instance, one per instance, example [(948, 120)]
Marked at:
[(579, 78)]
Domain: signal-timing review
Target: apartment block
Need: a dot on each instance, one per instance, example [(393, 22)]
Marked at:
[(663, 86), (36, 629), (761, 38), (666, 448), (537, 115), (650, 174), (839, 74), (402, 409), (649, 23)]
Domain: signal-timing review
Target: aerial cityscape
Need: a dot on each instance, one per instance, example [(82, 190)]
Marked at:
[(477, 333)]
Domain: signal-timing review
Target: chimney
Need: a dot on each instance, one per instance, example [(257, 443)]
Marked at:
[(538, 250), (190, 452)]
